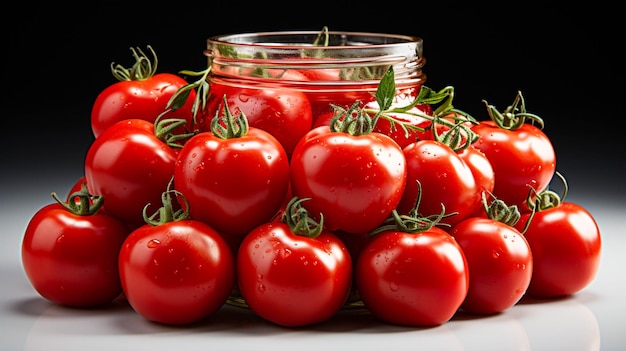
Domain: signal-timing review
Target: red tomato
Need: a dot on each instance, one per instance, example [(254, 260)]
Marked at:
[(70, 257), (355, 181), (566, 245), (177, 272), (139, 93), (481, 168), (521, 158), (500, 264), (284, 113), (397, 133), (293, 280), (415, 279), (445, 180), (130, 167), (233, 184)]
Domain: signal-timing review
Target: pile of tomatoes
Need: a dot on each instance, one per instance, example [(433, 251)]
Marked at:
[(413, 212)]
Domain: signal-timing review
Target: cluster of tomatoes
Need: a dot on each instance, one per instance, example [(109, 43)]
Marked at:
[(412, 212)]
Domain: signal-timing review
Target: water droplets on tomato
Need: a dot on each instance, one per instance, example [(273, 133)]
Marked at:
[(153, 243)]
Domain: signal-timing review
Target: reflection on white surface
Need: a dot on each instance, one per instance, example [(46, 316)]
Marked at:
[(558, 325)]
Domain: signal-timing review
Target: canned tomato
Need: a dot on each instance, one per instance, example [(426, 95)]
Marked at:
[(288, 80)]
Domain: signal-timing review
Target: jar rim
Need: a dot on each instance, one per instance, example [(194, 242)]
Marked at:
[(338, 39)]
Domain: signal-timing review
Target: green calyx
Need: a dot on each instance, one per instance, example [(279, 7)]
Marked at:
[(81, 202), (298, 219), (547, 198), (142, 69), (499, 211), (166, 213), (166, 130), (228, 126), (413, 222), (514, 116)]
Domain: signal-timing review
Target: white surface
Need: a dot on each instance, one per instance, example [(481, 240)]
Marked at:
[(593, 319)]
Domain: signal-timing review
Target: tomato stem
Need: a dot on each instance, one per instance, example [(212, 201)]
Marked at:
[(142, 69), (298, 219), (413, 222), (514, 116), (228, 126), (81, 202), (166, 212), (499, 211)]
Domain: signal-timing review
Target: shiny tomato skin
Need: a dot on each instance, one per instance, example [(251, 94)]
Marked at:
[(144, 99), (130, 167), (520, 158), (293, 280), (414, 279), (566, 245), (399, 135), (176, 273), (284, 113), (481, 168), (233, 184), (445, 179), (72, 259), (354, 181), (500, 264)]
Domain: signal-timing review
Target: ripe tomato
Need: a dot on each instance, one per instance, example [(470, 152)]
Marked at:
[(234, 183), (415, 279), (500, 264), (481, 168), (522, 157), (290, 279), (445, 180), (355, 181), (566, 245), (284, 113), (177, 272), (141, 93), (69, 253), (130, 167)]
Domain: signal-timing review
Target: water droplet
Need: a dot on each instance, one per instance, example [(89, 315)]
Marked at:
[(153, 243), (393, 286), (261, 288)]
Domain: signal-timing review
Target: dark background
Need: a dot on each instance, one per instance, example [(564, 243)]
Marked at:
[(565, 61)]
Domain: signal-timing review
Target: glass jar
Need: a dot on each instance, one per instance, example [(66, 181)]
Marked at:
[(328, 67)]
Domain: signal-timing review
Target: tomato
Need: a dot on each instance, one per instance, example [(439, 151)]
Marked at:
[(355, 181), (566, 244), (176, 273), (140, 93), (70, 251), (293, 279), (481, 168), (445, 180), (236, 182), (500, 264), (403, 137), (522, 157), (284, 113), (130, 167), (415, 279)]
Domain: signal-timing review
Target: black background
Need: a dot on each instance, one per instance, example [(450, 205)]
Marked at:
[(565, 61)]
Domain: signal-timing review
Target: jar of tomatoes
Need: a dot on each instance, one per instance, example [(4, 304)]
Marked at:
[(285, 82)]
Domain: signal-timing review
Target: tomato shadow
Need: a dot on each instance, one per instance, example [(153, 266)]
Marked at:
[(33, 306), (37, 306), (531, 300), (461, 315)]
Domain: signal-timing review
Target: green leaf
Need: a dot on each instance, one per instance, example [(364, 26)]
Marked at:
[(386, 90)]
